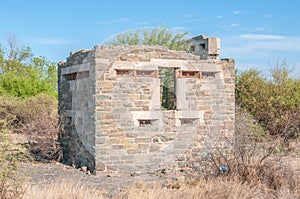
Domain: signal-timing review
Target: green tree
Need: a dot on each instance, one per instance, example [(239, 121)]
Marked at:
[(274, 102), (160, 36), (22, 74)]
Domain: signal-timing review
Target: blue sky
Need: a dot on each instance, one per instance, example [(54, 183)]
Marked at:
[(255, 33)]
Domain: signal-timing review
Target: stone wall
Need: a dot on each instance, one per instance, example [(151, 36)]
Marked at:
[(119, 123), (77, 109)]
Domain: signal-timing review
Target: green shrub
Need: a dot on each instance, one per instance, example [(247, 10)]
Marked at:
[(274, 102), (21, 86), (23, 75)]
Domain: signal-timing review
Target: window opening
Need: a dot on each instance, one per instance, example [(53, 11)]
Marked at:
[(143, 123), (77, 75), (124, 72), (68, 121), (188, 74), (71, 76), (203, 46), (167, 88)]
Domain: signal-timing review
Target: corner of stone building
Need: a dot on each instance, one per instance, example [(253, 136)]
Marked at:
[(75, 94)]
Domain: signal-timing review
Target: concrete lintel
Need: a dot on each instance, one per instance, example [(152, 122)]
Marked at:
[(208, 67), (125, 64), (169, 62), (76, 68), (134, 65), (186, 65), (187, 115), (147, 115)]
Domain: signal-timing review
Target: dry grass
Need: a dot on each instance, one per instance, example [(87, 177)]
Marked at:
[(214, 188), (11, 183), (254, 172), (201, 188), (63, 188), (35, 118)]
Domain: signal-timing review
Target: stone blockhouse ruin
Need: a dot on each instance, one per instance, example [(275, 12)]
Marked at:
[(134, 108)]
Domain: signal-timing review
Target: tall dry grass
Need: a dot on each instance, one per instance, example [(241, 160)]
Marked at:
[(62, 188), (214, 188), (207, 188), (36, 118), (11, 183)]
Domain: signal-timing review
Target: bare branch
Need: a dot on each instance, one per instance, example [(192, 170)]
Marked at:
[(13, 46)]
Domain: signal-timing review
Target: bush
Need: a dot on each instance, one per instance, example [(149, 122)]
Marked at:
[(22, 86), (247, 158), (274, 102), (10, 156), (37, 118), (24, 75)]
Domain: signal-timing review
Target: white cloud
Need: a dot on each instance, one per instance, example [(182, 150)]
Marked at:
[(244, 51), (291, 44), (219, 17), (262, 37), (237, 12), (231, 26), (259, 46), (256, 50), (258, 29), (234, 25)]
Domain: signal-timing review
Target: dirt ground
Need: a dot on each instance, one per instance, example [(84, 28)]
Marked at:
[(44, 173)]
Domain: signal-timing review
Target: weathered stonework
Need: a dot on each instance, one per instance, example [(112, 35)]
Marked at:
[(110, 105)]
